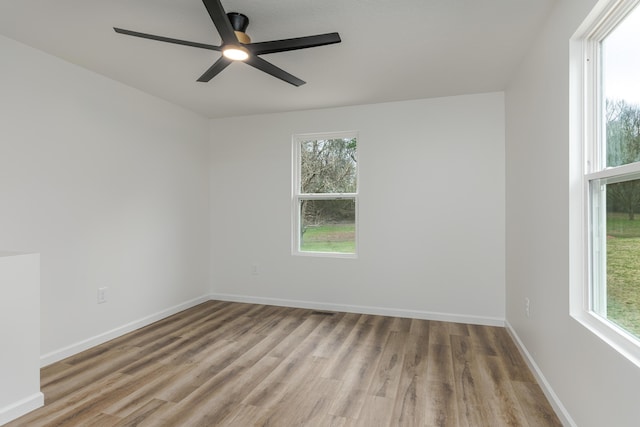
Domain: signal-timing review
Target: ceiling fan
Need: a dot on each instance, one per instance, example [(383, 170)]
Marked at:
[(237, 46)]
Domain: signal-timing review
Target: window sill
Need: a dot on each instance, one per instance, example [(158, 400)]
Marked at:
[(619, 339), (325, 255)]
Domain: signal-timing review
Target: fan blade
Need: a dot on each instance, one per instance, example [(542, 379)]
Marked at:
[(274, 46), (269, 68), (221, 21), (215, 69), (166, 39)]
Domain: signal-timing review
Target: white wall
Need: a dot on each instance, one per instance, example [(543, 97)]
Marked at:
[(19, 335), (596, 386), (110, 186), (431, 212)]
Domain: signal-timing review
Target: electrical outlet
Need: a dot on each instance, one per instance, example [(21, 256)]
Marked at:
[(102, 295), (527, 307)]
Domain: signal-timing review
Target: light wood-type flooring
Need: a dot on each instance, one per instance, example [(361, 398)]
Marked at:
[(231, 364)]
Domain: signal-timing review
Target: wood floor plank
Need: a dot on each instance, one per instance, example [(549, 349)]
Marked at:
[(105, 420), (293, 338), (461, 329), (439, 332), (159, 417), (466, 379), (244, 415), (440, 397), (482, 340), (231, 364), (332, 421), (346, 349), (360, 369), (387, 377), (441, 406), (439, 363), (94, 402), (401, 324), (409, 408), (87, 373), (148, 391), (330, 347), (376, 412), (293, 368), (515, 364), (534, 405), (216, 398), (500, 403), (142, 413), (303, 404)]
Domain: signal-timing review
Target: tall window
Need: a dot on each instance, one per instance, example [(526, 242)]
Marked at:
[(325, 194), (612, 171)]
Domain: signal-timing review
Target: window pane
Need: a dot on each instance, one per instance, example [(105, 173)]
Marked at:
[(328, 166), (622, 290), (621, 90), (328, 226)]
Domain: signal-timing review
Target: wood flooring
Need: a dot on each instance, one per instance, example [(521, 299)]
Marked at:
[(231, 364)]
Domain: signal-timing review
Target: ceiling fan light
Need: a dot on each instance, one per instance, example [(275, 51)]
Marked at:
[(236, 53)]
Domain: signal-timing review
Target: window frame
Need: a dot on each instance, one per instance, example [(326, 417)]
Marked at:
[(588, 169), (297, 196)]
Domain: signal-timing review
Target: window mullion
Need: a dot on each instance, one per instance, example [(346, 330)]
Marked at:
[(327, 196), (616, 174)]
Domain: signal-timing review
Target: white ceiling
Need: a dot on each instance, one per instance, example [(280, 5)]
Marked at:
[(391, 50)]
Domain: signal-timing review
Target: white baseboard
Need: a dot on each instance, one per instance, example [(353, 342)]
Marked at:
[(382, 311), (553, 398), (54, 356), (75, 348), (21, 407)]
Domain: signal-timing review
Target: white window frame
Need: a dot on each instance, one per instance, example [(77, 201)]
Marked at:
[(588, 166), (297, 196)]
